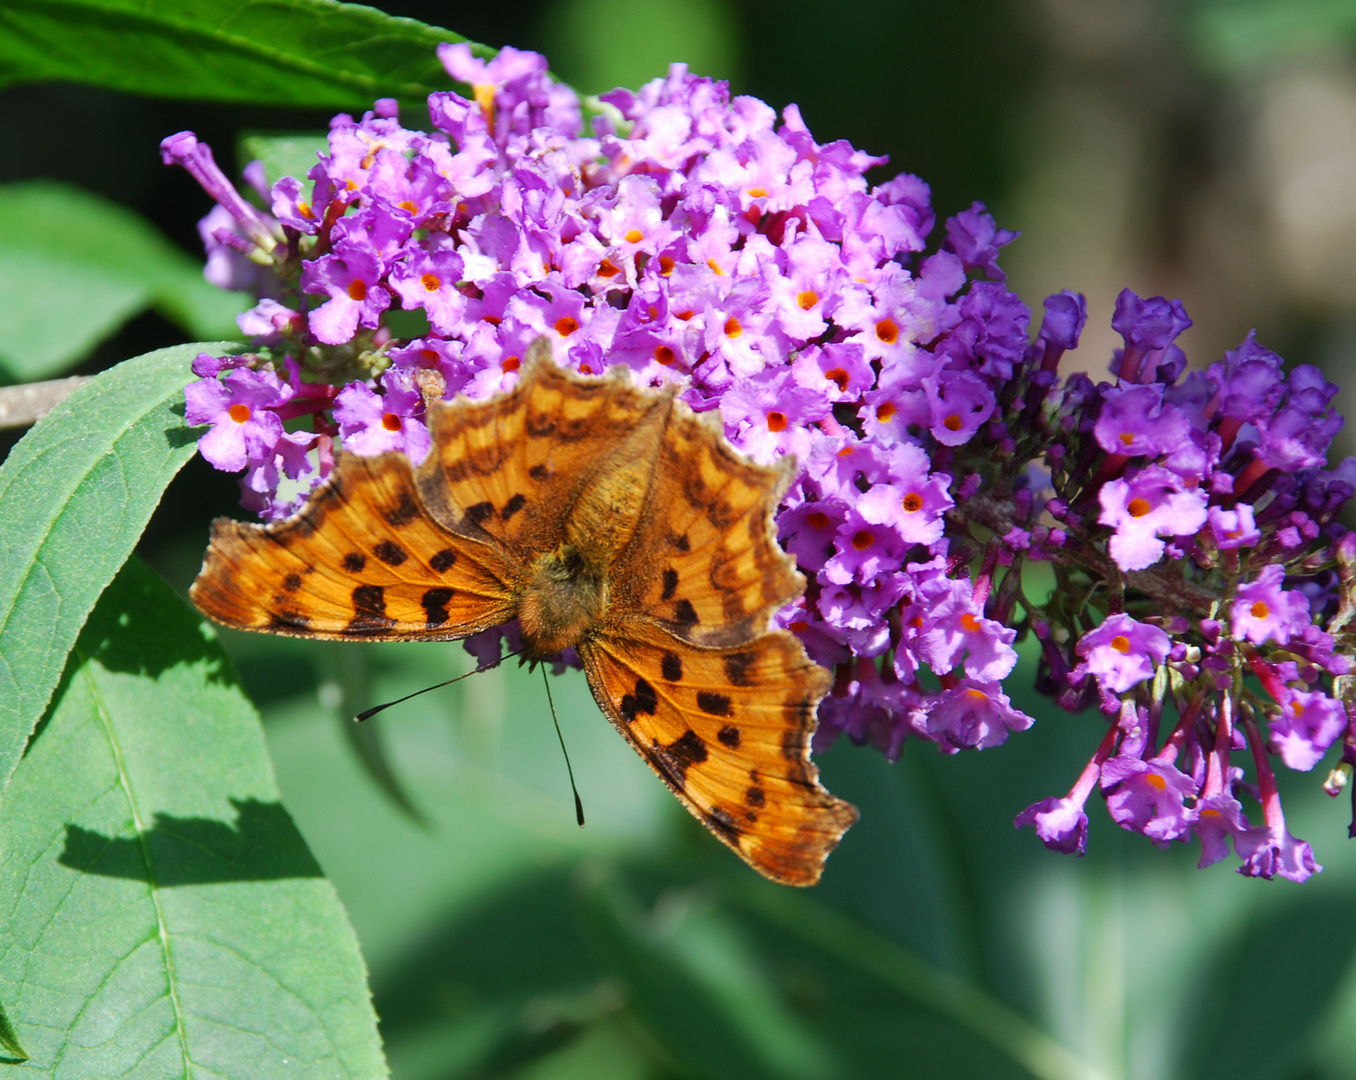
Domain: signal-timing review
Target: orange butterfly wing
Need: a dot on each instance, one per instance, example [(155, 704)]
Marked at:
[(686, 670), (361, 561), (705, 563), (729, 731), (512, 467)]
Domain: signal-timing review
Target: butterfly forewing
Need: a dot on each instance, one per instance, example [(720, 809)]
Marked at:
[(512, 467), (360, 561), (729, 731), (705, 563)]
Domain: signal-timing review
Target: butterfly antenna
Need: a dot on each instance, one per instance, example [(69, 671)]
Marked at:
[(367, 714), (578, 804)]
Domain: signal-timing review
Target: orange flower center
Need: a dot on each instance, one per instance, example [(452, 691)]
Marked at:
[(1155, 781), (716, 267), (776, 421), (430, 282), (818, 520), (913, 502), (665, 265), (952, 422), (757, 192), (969, 623), (664, 355), (839, 377), (510, 363), (1139, 507), (863, 539), (887, 331), (732, 328), (304, 209), (357, 291), (1127, 438), (634, 236), (885, 411), (565, 326), (807, 300), (239, 413), (407, 205), (1121, 643), (1260, 610), (607, 268), (391, 422)]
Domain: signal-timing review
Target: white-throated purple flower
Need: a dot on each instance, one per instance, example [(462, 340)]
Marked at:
[(1263, 611), (1152, 503), (1121, 653)]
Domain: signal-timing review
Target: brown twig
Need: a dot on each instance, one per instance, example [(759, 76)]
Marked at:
[(24, 405)]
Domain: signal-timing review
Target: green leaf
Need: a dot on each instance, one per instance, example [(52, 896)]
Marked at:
[(162, 915), (63, 298), (1233, 36), (75, 494), (310, 53), (9, 1040), (283, 155)]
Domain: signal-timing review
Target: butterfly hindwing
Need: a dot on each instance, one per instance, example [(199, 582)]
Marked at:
[(361, 561), (729, 731)]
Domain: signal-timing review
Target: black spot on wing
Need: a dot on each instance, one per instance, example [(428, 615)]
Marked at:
[(722, 822), (793, 744), (369, 611), (354, 562), (755, 796), (643, 701), (713, 704), (646, 699), (737, 668), (287, 620), (404, 511), (443, 561), (674, 759), (684, 613), (728, 736), (680, 542), (672, 666), (392, 554), (670, 584), (292, 582), (539, 473), (516, 503), (434, 602), (477, 514)]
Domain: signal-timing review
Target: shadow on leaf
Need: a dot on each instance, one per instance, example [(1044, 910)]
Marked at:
[(263, 845)]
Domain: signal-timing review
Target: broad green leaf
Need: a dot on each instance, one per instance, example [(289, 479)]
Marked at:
[(309, 53), (75, 494), (62, 297), (697, 983), (10, 1047), (162, 915), (283, 155)]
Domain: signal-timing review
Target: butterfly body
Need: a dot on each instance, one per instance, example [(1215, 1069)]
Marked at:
[(603, 517)]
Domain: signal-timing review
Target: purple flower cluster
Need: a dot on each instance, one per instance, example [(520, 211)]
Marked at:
[(1187, 517)]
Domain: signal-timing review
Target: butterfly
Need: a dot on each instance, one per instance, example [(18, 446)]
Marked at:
[(602, 516)]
